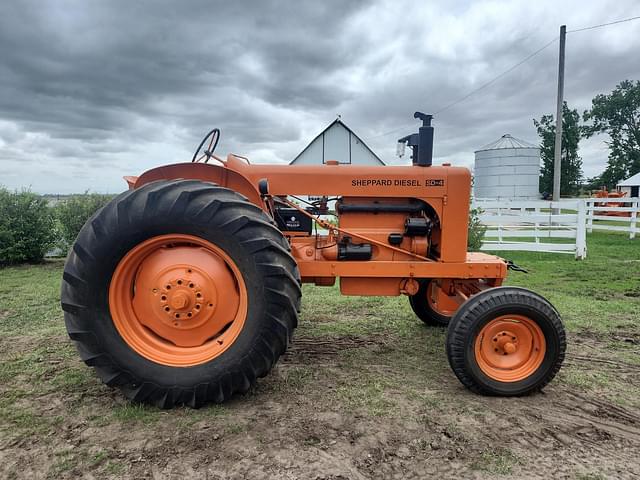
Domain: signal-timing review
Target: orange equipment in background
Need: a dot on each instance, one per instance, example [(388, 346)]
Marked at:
[(186, 288), (603, 193)]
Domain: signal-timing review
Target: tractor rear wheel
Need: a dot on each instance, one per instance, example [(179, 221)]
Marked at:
[(428, 310), (506, 341), (180, 292)]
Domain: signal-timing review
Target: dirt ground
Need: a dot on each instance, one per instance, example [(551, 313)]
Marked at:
[(364, 392), (328, 412)]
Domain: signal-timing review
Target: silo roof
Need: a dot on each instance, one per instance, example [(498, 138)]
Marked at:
[(507, 141)]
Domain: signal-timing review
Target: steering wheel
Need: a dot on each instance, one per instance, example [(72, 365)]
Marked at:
[(213, 136)]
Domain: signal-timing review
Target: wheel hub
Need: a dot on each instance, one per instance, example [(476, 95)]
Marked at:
[(178, 299), (509, 348), (166, 297), (181, 298), (176, 295), (505, 342)]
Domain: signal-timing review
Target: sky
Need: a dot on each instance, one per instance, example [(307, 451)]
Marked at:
[(94, 90)]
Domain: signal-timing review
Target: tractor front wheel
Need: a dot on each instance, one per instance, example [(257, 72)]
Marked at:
[(506, 341), (427, 308), (180, 292)]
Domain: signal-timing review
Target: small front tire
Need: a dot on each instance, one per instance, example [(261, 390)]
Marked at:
[(506, 341)]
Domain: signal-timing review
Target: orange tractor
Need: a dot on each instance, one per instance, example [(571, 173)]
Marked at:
[(604, 193), (185, 289)]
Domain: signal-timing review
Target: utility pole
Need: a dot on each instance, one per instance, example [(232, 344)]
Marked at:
[(557, 153)]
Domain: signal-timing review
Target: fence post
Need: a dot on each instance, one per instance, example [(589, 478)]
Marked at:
[(634, 218), (581, 234), (589, 206)]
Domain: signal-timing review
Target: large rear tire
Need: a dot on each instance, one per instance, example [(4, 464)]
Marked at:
[(506, 341), (180, 292)]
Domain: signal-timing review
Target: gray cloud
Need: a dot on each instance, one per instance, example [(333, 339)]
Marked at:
[(90, 91)]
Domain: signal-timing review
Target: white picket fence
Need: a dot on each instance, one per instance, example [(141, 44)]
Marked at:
[(534, 225), (627, 222), (555, 227)]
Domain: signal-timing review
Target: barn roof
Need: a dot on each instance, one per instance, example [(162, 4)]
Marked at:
[(631, 181), (339, 121)]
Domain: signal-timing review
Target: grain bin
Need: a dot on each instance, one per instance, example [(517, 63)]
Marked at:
[(508, 168)]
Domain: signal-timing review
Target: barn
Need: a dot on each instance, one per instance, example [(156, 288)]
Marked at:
[(631, 186), (337, 142)]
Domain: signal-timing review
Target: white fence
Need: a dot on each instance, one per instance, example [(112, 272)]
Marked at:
[(623, 215), (543, 226), (535, 225)]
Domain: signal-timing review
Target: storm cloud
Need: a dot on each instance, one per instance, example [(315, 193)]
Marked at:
[(91, 91)]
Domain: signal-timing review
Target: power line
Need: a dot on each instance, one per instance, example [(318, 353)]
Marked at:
[(481, 87), (604, 24), (509, 70), (526, 59)]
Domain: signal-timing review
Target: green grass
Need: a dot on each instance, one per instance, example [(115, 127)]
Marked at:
[(136, 413), (114, 467), (30, 299), (366, 394), (586, 380), (590, 476), (498, 461), (600, 293), (598, 296), (65, 460), (381, 363)]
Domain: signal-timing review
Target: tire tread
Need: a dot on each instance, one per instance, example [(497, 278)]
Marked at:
[(462, 323), (200, 202)]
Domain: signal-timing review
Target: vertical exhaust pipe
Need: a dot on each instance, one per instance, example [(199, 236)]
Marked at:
[(421, 143), (425, 141)]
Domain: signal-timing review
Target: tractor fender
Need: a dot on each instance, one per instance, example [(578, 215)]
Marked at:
[(217, 174)]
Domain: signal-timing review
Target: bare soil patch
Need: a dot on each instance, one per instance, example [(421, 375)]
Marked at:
[(334, 408)]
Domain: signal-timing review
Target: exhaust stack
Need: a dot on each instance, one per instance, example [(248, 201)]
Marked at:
[(421, 143)]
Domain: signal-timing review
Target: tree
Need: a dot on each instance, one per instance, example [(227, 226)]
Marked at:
[(571, 171), (618, 115)]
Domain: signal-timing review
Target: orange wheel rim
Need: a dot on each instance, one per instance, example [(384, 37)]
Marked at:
[(178, 300), (440, 303), (510, 348)]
